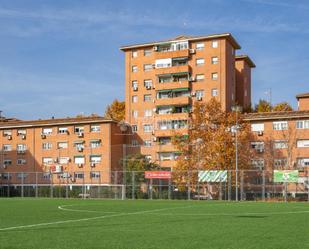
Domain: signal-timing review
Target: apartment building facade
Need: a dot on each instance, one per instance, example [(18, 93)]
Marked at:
[(70, 150), (164, 80)]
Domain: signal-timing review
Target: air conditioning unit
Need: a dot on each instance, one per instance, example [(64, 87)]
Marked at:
[(192, 51), (43, 136), (80, 149), (193, 94), (135, 88), (154, 109), (67, 132), (154, 139), (92, 164), (80, 165), (80, 134), (9, 137), (56, 160), (192, 78), (153, 66), (199, 98), (72, 179), (23, 137), (21, 152), (148, 87), (260, 133), (155, 48), (4, 166), (260, 150)]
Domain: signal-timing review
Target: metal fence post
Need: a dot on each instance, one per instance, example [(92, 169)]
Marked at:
[(150, 189), (308, 183), (22, 184), (241, 185), (229, 185), (51, 185), (220, 190), (67, 187), (263, 187), (169, 189), (133, 185), (285, 191), (189, 189), (9, 176), (36, 184)]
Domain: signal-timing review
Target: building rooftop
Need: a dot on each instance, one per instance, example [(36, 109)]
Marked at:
[(54, 121), (185, 37), (302, 95), (246, 58), (276, 115)]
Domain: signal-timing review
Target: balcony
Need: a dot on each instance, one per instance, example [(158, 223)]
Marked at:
[(170, 132), (183, 100), (173, 70), (173, 85), (164, 147), (172, 54), (180, 116)]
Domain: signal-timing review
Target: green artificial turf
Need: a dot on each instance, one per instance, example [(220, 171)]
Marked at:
[(152, 224)]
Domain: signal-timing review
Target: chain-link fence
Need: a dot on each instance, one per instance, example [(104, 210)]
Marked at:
[(183, 185)]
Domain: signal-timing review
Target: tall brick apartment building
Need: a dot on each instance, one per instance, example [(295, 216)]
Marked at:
[(164, 79)]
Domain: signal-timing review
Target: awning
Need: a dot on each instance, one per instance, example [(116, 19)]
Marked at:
[(172, 74), (174, 90), (95, 140), (79, 142), (97, 155), (180, 58)]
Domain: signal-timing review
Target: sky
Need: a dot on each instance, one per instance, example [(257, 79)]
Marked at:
[(62, 58)]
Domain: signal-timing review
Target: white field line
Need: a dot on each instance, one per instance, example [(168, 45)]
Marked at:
[(86, 219), (64, 208)]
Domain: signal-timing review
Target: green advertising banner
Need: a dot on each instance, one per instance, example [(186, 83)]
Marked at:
[(212, 176), (285, 175)]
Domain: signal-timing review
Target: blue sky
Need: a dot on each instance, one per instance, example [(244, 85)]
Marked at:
[(62, 58)]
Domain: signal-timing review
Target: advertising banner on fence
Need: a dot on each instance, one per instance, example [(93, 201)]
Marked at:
[(285, 175), (158, 174), (212, 176)]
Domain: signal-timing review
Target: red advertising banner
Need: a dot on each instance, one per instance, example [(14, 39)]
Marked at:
[(158, 175)]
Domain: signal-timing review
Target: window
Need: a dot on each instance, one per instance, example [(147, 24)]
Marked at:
[(95, 158), (147, 143), (79, 159), (214, 60), (79, 129), (148, 157), (7, 147), (63, 130), (62, 145), (281, 125), (134, 85), (280, 144), (134, 54), (199, 94), (303, 143), (21, 161), (302, 124), (167, 156), (257, 127), (165, 140), (172, 124), (7, 162), (214, 44), (280, 162), (214, 92), (47, 146), (148, 84), (79, 145), (147, 67), (258, 146), (95, 175), (95, 143), (135, 143), (95, 128), (147, 128), (301, 162), (134, 128), (78, 175), (21, 132), (147, 52), (21, 147), (200, 77), (134, 99), (199, 46), (64, 160), (163, 63), (147, 98), (135, 114), (200, 61), (134, 69), (7, 133), (47, 160), (47, 131), (21, 175), (257, 163), (214, 76), (148, 113)]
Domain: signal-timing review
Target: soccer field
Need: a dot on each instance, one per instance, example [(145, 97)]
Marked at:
[(73, 223)]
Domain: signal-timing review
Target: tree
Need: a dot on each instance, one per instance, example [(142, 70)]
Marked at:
[(210, 144), (282, 107), (115, 111), (263, 106)]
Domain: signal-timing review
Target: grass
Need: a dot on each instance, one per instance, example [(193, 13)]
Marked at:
[(152, 224)]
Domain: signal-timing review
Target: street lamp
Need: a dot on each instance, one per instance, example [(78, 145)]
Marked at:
[(236, 109)]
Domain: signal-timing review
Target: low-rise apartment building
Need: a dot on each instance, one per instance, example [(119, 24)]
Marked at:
[(71, 150)]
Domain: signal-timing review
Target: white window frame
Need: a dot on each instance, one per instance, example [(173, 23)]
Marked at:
[(147, 67), (214, 92), (214, 76), (200, 77), (134, 69), (215, 44), (214, 60), (200, 46), (302, 143), (200, 61), (95, 128), (280, 125)]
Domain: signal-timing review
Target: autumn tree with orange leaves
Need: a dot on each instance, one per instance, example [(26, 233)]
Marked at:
[(210, 144)]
